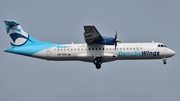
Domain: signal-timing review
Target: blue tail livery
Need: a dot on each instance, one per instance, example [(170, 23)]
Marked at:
[(21, 42)]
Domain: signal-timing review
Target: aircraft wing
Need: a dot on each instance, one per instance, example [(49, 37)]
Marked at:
[(91, 34)]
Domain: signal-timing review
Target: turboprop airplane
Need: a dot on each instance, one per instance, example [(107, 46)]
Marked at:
[(97, 49)]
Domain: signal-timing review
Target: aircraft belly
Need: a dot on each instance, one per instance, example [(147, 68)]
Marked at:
[(91, 59)]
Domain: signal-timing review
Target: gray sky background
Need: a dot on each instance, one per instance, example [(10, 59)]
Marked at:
[(29, 79)]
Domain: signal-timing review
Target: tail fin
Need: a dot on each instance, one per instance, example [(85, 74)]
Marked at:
[(18, 37)]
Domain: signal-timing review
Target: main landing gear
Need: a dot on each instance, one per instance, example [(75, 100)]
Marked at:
[(97, 61), (164, 61)]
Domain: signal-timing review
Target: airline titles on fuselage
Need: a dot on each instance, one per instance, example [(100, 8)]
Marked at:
[(142, 53)]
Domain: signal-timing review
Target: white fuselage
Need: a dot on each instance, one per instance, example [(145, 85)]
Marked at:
[(97, 49), (123, 51)]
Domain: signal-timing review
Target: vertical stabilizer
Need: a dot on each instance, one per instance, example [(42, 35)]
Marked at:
[(18, 37)]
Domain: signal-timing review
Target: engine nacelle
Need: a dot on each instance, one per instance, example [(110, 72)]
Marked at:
[(106, 41)]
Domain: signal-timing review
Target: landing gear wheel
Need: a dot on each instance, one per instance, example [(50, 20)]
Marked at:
[(98, 66), (164, 62), (97, 61)]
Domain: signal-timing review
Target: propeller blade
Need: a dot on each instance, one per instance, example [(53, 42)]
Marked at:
[(116, 36), (115, 40), (115, 45)]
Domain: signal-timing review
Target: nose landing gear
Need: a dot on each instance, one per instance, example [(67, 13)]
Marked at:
[(97, 61), (164, 61)]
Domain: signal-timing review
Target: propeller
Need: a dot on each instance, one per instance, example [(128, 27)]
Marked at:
[(115, 40)]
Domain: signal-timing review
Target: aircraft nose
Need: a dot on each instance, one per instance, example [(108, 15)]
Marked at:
[(172, 53)]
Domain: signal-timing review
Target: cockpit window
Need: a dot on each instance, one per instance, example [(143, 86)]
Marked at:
[(161, 45)]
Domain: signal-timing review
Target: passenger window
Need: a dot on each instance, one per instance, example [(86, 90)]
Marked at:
[(103, 48), (106, 48), (99, 48), (64, 49), (96, 48), (159, 45), (92, 48), (133, 48), (127, 48)]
